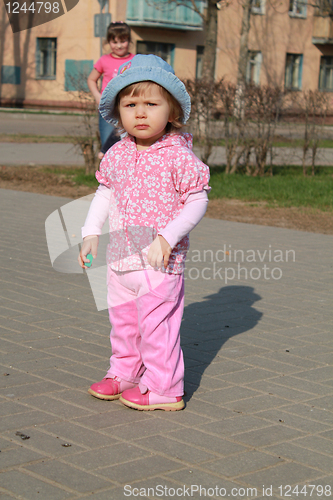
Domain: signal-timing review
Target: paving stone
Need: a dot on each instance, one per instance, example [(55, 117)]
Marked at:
[(204, 381), (173, 448), (26, 419), (49, 446), (157, 487), (44, 363), (257, 403), (18, 457), (296, 453), (110, 416), (243, 463), (187, 418), (54, 406), (20, 391), (316, 443), (141, 468), (313, 413), (73, 354), (303, 385), (144, 428), (70, 477), (248, 376), (6, 444), (201, 483), (327, 434), (29, 487), (326, 402), (321, 374), (216, 412), (113, 492), (282, 475), (287, 393), (234, 426), (118, 453), (303, 424), (272, 365), (10, 408), (267, 436), (286, 357), (66, 379), (206, 441)]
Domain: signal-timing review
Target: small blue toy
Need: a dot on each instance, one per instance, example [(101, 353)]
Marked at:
[(90, 257)]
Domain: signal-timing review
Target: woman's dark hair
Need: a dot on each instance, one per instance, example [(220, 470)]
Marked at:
[(118, 30)]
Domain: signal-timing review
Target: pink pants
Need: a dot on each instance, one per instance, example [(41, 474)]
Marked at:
[(145, 310)]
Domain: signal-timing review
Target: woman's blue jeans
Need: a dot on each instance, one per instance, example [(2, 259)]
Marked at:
[(105, 130)]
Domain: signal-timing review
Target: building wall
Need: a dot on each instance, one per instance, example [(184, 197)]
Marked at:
[(274, 34)]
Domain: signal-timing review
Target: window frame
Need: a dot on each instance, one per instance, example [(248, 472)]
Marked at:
[(198, 62), (325, 67), (293, 5), (300, 71), (257, 66), (171, 47), (258, 10), (51, 61), (10, 75)]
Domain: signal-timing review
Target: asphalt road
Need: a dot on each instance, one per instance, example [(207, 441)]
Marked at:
[(66, 154)]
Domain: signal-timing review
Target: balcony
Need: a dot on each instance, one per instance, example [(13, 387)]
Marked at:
[(322, 30), (145, 14)]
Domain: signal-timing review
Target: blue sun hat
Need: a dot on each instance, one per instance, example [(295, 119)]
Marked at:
[(144, 68)]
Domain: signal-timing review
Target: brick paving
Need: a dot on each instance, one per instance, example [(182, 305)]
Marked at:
[(257, 339)]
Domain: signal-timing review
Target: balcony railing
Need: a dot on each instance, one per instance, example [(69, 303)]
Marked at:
[(322, 33), (164, 15)]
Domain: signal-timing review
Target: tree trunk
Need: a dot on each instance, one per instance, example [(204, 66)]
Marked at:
[(210, 27), (244, 43)]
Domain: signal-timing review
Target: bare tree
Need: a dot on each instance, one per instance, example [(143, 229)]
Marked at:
[(206, 99), (20, 54), (264, 106), (244, 42), (88, 143), (314, 106), (209, 22)]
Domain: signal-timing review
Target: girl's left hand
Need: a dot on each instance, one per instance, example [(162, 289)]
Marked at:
[(159, 252)]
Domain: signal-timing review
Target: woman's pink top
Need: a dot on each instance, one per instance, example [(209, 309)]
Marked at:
[(108, 66)]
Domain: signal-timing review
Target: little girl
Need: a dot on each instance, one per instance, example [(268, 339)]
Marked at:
[(154, 191), (118, 37)]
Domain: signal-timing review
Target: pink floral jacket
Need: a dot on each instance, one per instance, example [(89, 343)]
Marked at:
[(148, 190)]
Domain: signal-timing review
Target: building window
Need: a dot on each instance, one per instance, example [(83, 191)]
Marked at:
[(258, 6), (253, 67), (326, 73), (293, 79), (11, 74), (297, 8), (46, 58), (163, 50), (323, 8), (76, 74), (199, 63)]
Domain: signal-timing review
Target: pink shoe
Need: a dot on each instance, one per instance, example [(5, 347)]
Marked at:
[(150, 401), (109, 388)]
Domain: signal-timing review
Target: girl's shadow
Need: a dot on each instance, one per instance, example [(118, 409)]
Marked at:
[(207, 325)]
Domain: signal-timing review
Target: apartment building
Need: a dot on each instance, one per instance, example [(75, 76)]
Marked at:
[(290, 43)]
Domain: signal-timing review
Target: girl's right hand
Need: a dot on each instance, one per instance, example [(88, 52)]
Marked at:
[(89, 245)]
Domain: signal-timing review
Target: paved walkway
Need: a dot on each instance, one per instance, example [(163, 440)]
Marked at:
[(257, 339), (67, 154)]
